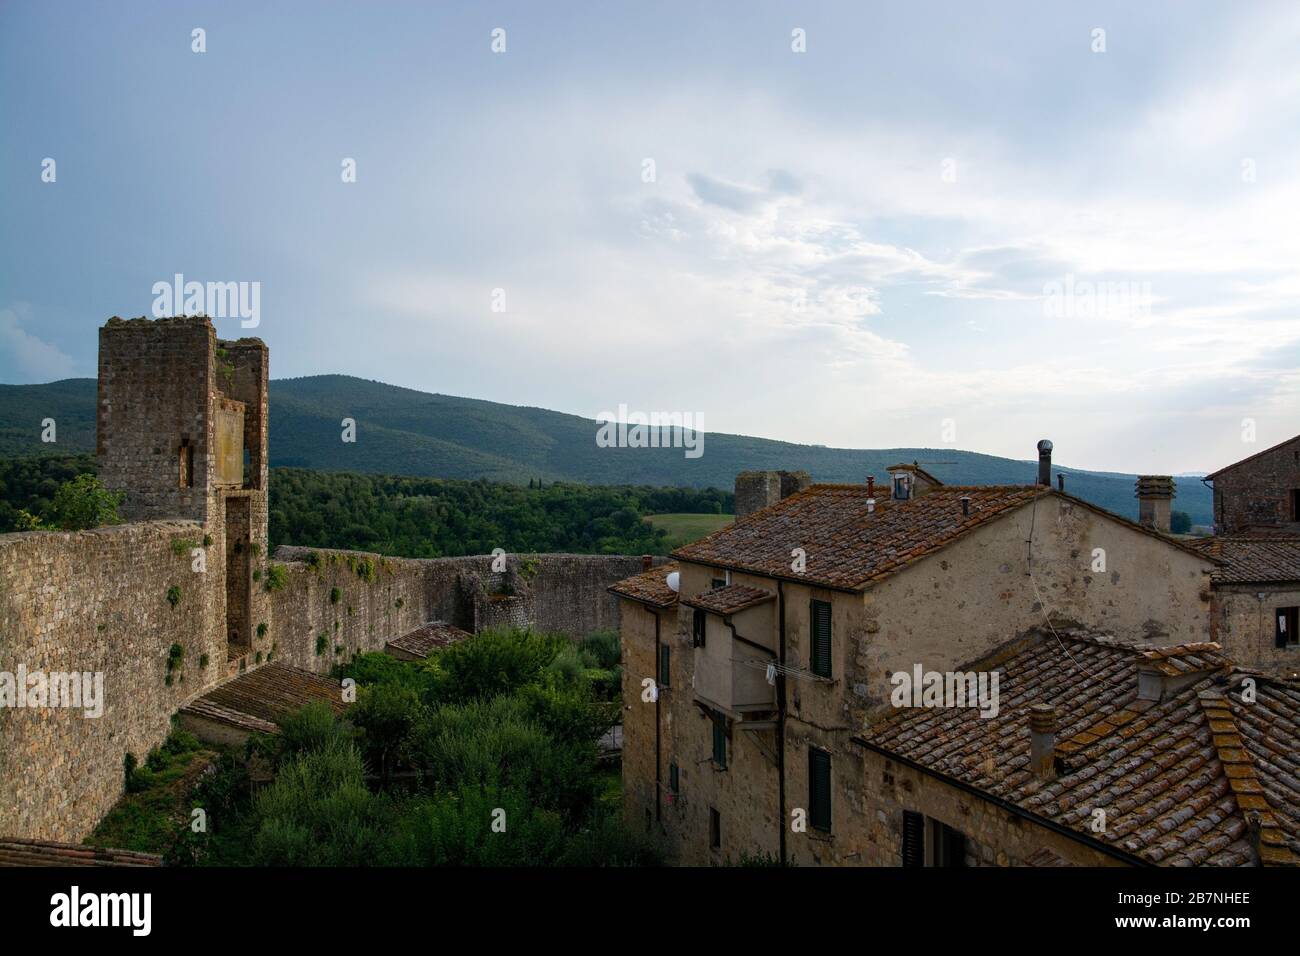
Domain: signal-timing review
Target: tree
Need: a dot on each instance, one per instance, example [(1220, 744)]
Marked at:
[(78, 504), (1180, 522)]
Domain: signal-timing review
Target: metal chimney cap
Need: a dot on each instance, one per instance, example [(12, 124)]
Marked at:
[(1044, 445)]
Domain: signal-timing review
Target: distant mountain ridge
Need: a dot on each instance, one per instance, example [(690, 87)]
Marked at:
[(401, 431)]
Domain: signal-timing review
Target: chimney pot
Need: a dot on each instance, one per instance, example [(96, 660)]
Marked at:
[(871, 486), (1045, 463), (965, 504), (1042, 741), (647, 562)]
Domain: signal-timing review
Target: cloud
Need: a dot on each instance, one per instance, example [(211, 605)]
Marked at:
[(25, 358)]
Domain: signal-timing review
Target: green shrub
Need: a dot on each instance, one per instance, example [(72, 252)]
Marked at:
[(318, 812), (277, 577), (608, 842), (335, 594), (174, 595), (314, 726), (386, 714), (495, 661)]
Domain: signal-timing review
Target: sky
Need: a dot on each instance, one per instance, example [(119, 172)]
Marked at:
[(850, 224)]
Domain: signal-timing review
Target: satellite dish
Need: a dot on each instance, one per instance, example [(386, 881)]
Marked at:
[(674, 581)]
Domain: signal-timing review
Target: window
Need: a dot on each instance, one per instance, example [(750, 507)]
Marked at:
[(698, 628), (187, 463), (947, 846), (1288, 623), (720, 741), (913, 839), (718, 583), (821, 638), (715, 829), (819, 789), (1295, 504), (902, 487), (663, 665), (928, 842), (674, 777)]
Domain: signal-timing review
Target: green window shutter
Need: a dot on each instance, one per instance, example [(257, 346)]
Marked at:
[(820, 615), (819, 789), (664, 670), (913, 839)]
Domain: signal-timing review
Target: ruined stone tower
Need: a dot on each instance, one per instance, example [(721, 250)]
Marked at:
[(181, 432)]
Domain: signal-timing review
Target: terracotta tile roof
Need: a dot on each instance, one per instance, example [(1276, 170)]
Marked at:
[(848, 548), (14, 852), (260, 699), (648, 587), (730, 599), (425, 639), (1254, 558), (1185, 780)]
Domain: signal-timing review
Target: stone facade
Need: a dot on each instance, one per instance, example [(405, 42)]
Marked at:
[(1260, 491), (1245, 625)]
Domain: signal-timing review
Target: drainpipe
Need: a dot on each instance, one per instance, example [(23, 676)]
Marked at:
[(780, 717), (659, 790)]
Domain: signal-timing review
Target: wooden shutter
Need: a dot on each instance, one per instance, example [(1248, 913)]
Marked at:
[(819, 789), (720, 741), (913, 839), (821, 638)]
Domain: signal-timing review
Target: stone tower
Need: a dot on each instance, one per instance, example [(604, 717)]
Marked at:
[(181, 432)]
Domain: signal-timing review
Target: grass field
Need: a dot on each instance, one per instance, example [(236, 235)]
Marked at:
[(683, 529)]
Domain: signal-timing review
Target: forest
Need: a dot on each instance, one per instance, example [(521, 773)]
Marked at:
[(418, 517)]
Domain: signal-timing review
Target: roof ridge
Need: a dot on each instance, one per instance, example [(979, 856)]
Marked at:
[(1239, 769)]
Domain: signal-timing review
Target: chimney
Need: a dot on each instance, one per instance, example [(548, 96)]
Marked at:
[(756, 490), (965, 505), (1042, 741), (647, 562), (1155, 494), (1060, 481), (1045, 463), (871, 486)]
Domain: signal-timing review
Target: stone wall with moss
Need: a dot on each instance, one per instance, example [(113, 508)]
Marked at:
[(114, 601)]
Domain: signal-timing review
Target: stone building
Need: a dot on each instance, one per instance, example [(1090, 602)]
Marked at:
[(784, 631), (1256, 598), (1262, 491)]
